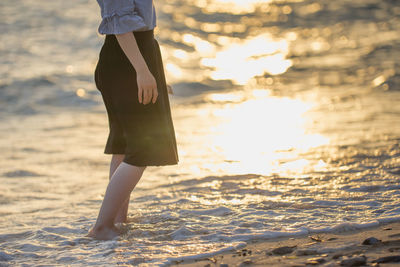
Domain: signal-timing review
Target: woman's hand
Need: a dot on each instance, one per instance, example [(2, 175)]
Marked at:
[(147, 87)]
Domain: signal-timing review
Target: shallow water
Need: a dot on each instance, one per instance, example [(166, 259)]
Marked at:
[(286, 115)]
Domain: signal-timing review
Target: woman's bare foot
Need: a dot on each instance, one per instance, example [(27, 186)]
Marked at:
[(104, 233)]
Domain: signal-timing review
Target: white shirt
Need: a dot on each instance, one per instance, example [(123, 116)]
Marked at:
[(121, 16)]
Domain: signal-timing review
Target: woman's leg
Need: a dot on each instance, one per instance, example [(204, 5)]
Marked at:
[(122, 182), (123, 211)]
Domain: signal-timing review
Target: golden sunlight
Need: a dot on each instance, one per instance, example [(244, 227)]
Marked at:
[(234, 6), (265, 133), (242, 60)]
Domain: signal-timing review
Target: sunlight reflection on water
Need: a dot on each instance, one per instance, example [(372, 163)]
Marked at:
[(240, 60), (253, 132), (222, 55), (259, 131), (235, 6), (231, 58)]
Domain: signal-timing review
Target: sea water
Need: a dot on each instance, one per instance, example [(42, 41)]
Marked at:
[(286, 116)]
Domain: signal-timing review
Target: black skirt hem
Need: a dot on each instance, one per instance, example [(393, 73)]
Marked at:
[(143, 163)]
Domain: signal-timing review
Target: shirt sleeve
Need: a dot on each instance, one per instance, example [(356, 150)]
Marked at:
[(119, 16)]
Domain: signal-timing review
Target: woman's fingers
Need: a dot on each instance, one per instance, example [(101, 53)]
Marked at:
[(146, 96), (140, 93), (147, 88)]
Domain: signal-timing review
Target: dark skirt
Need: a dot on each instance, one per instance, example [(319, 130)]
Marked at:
[(144, 133)]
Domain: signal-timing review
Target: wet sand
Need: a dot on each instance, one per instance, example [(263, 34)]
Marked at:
[(353, 247)]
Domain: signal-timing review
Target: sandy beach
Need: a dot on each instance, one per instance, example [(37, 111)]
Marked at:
[(376, 246), (287, 124)]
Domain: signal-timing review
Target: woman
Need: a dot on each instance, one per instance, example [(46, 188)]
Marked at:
[(130, 76)]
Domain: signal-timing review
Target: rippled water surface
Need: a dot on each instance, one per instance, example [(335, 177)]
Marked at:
[(286, 116)]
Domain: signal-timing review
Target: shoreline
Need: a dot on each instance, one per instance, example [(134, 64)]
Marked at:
[(364, 247)]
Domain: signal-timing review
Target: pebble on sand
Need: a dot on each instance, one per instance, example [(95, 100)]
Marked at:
[(354, 261), (246, 262), (283, 250), (371, 241), (387, 259), (243, 252)]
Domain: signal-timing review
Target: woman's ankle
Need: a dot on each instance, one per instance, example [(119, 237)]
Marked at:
[(100, 227), (121, 220)]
